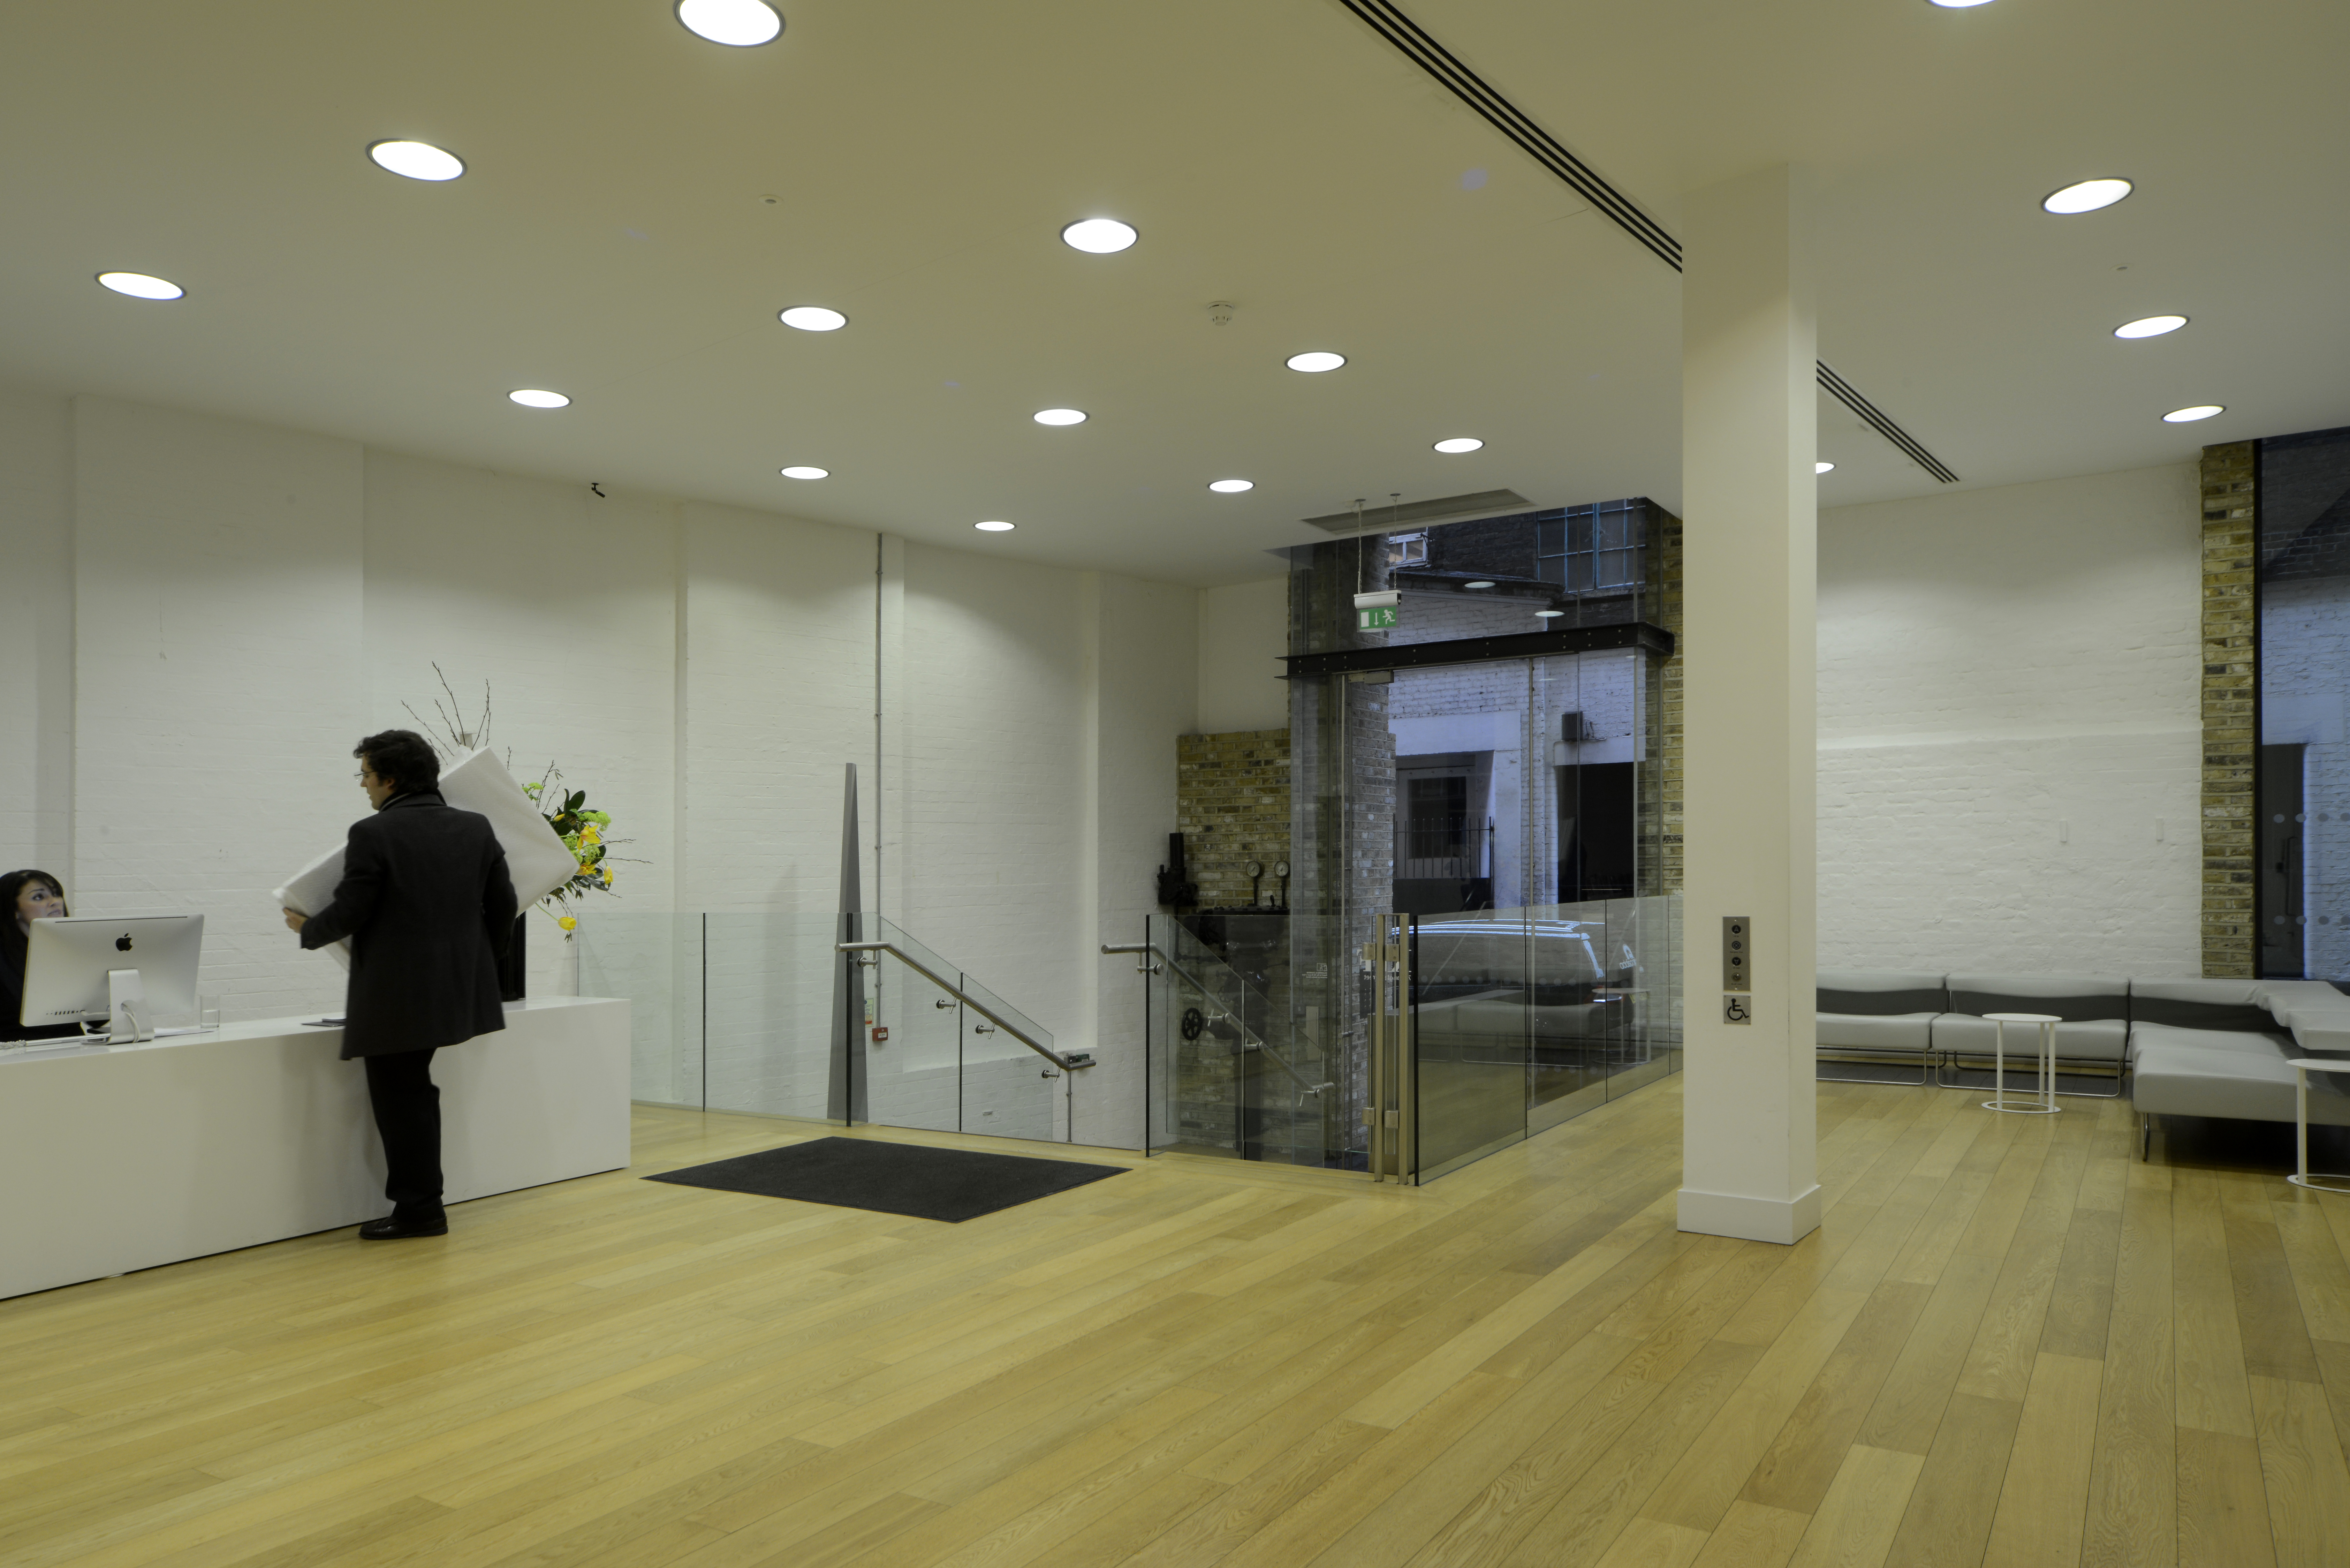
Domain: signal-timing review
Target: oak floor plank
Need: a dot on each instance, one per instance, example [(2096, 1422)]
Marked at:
[(2010, 1340), (2043, 1498)]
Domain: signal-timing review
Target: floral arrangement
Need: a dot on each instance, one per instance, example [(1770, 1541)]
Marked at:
[(583, 832)]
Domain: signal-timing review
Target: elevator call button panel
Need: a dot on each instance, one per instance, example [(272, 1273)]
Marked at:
[(1737, 953)]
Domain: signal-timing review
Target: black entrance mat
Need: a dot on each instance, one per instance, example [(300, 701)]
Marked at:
[(949, 1183)]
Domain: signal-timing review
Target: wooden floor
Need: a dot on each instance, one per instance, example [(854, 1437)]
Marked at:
[(2011, 1343)]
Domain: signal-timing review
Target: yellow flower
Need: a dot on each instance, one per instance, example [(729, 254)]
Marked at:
[(567, 922), (607, 876), (589, 835), (586, 868)]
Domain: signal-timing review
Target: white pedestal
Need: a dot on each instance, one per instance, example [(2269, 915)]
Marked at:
[(122, 1157)]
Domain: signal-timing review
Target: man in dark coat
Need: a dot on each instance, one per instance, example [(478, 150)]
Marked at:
[(429, 907)]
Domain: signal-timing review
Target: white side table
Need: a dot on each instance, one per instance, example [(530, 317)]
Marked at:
[(2324, 1181), (2044, 1104)]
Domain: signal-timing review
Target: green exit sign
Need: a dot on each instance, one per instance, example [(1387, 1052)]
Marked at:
[(1376, 618)]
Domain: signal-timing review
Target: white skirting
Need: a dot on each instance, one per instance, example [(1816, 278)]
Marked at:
[(1783, 1220), (115, 1159)]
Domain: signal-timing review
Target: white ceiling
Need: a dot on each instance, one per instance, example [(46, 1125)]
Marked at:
[(610, 241)]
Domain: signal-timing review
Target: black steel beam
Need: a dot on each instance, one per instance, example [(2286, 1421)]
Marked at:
[(1477, 649)]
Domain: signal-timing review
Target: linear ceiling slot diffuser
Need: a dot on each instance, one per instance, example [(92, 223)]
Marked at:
[(1412, 41)]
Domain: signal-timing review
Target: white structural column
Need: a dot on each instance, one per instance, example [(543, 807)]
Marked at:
[(1748, 428)]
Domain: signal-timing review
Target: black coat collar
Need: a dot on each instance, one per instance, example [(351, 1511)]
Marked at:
[(413, 797)]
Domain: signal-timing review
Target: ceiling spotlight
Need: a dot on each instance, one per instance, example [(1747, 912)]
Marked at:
[(1315, 363), (2150, 326), (1102, 236), (1060, 416), (993, 527), (802, 471), (812, 319), (416, 160), (2085, 197), (1459, 444), (2188, 416), (1231, 486), (738, 24), (1480, 583), (1829, 467), (1548, 613), (138, 285), (1956, 4), (537, 398)]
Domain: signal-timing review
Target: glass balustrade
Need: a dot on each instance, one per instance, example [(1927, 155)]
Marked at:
[(1512, 1020), (754, 1013)]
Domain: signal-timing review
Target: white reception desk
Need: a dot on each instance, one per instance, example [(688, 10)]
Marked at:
[(115, 1158)]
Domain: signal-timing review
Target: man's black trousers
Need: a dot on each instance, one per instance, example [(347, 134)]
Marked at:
[(407, 1114)]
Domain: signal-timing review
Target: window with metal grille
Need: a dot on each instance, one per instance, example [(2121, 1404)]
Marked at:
[(1591, 549)]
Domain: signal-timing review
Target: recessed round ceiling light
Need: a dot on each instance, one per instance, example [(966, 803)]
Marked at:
[(802, 471), (1459, 444), (1824, 468), (993, 527), (1315, 363), (138, 285), (1548, 613), (812, 319), (2085, 197), (416, 160), (537, 398), (1231, 486), (738, 24), (1481, 583), (2188, 416), (1102, 236), (1060, 416), (1956, 4), (2150, 326)]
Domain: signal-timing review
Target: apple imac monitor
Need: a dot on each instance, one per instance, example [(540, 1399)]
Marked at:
[(70, 964)]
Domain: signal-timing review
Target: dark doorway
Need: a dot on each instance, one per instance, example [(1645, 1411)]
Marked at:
[(2279, 901), (1596, 805), (1444, 843)]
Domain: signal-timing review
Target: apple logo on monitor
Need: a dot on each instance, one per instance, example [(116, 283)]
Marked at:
[(122, 943)]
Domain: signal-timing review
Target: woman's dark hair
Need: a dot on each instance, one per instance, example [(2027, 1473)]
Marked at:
[(10, 885), (403, 757)]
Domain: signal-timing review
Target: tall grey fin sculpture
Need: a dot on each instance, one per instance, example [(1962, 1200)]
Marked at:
[(846, 1102)]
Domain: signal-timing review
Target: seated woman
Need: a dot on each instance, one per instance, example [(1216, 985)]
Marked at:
[(25, 897)]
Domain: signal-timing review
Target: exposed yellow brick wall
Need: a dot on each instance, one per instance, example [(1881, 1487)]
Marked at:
[(2229, 707), (1232, 805)]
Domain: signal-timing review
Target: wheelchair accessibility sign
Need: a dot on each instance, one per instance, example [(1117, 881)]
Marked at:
[(1738, 1009)]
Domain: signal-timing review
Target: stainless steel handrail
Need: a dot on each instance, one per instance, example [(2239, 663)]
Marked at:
[(952, 989), (1255, 1041)]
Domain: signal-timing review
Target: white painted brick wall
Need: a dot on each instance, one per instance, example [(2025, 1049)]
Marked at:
[(218, 680), (1993, 663), (37, 607), (1244, 631)]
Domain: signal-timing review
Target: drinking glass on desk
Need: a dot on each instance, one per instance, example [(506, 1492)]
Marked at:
[(208, 1012)]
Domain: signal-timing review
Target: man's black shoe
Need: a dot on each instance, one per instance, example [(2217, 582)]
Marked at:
[(392, 1228)]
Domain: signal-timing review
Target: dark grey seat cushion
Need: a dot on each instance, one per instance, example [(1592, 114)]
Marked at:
[(2174, 1078), (2233, 1004), (1881, 992)]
